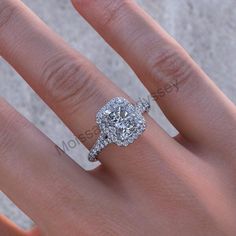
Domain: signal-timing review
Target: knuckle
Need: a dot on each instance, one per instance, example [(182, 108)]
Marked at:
[(5, 141), (67, 81), (7, 12), (112, 12), (168, 65), (11, 125)]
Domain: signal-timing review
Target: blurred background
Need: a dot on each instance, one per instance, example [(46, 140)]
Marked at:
[(206, 28)]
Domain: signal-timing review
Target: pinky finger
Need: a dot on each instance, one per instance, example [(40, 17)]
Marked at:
[(8, 228), (34, 232)]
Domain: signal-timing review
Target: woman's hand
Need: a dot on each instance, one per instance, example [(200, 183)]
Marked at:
[(158, 185)]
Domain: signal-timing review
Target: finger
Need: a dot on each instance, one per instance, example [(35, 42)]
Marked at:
[(49, 187), (34, 232), (72, 86), (188, 98), (8, 228)]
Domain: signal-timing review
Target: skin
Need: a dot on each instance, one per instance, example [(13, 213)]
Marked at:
[(159, 185)]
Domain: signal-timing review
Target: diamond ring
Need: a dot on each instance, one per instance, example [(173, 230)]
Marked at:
[(120, 122)]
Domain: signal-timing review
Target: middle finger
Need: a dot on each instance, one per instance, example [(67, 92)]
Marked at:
[(194, 105)]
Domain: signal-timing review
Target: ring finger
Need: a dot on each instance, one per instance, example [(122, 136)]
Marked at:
[(73, 87)]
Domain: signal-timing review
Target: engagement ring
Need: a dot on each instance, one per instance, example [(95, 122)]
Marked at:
[(120, 122)]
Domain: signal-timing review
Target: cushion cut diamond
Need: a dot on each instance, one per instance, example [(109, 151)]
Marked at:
[(120, 121)]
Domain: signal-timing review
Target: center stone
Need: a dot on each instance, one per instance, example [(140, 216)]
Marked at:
[(120, 122)]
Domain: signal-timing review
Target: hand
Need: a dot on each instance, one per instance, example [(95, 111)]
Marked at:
[(158, 185)]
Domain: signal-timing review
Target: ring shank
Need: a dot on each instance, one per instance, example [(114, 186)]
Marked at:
[(97, 148)]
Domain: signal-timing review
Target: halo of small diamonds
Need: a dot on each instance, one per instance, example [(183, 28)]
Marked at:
[(120, 122)]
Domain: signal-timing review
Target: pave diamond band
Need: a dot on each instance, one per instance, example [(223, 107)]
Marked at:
[(120, 122)]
